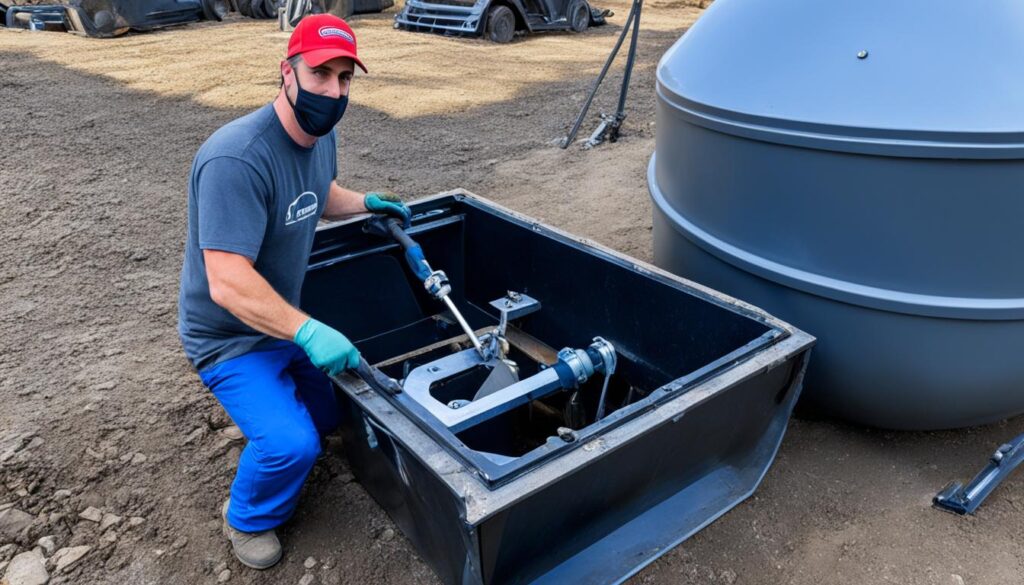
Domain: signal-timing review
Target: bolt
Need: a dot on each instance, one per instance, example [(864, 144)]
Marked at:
[(862, 54)]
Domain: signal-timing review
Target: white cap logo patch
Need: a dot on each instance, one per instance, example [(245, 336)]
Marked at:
[(333, 31)]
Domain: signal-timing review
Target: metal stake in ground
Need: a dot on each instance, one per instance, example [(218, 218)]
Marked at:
[(610, 124)]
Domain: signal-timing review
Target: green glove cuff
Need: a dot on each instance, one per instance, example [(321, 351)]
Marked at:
[(305, 332)]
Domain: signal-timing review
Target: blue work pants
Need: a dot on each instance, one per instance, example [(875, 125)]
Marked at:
[(284, 406)]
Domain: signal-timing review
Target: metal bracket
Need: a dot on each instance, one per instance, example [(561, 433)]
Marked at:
[(958, 499), (513, 306), (459, 415), (607, 130)]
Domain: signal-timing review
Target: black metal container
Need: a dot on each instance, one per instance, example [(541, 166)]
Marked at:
[(698, 405)]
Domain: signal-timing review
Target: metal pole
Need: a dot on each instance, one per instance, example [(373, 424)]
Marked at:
[(604, 71), (620, 113)]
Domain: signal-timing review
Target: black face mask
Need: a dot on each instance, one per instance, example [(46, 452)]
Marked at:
[(316, 114)]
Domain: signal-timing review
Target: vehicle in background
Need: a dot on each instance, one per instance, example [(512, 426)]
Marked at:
[(498, 20), (293, 10), (108, 18)]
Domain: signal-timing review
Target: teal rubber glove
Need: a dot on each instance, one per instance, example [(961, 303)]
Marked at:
[(390, 204), (326, 347)]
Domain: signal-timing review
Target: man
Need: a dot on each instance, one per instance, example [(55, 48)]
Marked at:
[(257, 188)]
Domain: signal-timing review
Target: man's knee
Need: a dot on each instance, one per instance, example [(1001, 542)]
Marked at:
[(290, 448)]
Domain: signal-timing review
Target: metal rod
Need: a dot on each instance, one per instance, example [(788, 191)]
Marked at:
[(630, 59), (465, 326), (604, 71), (600, 403)]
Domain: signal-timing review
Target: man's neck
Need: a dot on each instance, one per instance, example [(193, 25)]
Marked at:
[(286, 115)]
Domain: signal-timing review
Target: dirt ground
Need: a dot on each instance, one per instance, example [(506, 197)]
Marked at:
[(100, 408)]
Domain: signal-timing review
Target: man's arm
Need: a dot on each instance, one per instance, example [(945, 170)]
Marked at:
[(237, 287), (342, 202)]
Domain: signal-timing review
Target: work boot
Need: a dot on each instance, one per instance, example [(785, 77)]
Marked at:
[(259, 550)]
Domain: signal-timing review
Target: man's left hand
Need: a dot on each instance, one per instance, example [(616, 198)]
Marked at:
[(389, 204)]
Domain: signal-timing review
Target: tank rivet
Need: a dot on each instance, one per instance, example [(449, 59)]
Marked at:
[(862, 55)]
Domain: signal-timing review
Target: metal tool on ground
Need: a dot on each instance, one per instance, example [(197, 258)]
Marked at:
[(960, 499), (611, 124)]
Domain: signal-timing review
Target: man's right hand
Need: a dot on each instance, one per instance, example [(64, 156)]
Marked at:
[(326, 347)]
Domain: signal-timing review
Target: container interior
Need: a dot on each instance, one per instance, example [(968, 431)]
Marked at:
[(667, 336)]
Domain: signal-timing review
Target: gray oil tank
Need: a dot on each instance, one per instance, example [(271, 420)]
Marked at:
[(857, 168)]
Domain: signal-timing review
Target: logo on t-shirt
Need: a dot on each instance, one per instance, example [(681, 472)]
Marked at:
[(304, 207)]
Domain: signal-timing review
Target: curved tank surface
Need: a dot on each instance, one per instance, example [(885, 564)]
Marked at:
[(858, 170)]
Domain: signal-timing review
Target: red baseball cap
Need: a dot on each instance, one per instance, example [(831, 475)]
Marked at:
[(322, 37)]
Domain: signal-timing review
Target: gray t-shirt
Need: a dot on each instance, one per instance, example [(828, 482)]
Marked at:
[(252, 191)]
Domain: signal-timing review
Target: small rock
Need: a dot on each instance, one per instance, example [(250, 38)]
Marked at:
[(109, 538), (54, 518), (6, 506), (306, 579), (109, 520), (91, 514), (159, 552), (387, 535), (139, 458), (309, 563), (12, 522), (35, 442), (48, 543), (223, 576), (194, 436), (219, 419), (102, 386), (957, 579), (28, 568), (94, 453), (220, 568), (233, 432), (136, 520), (180, 543), (65, 558), (61, 494), (93, 499), (7, 551)]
